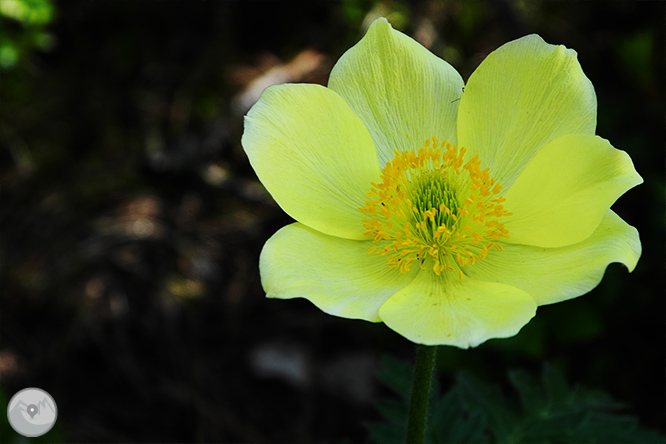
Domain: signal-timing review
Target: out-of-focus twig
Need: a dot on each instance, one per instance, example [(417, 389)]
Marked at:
[(297, 69)]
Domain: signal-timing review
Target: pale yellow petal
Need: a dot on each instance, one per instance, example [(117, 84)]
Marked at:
[(522, 96), (445, 311), (314, 156), (552, 275), (403, 93), (565, 191), (337, 275)]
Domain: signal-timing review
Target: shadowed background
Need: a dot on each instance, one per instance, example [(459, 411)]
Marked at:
[(131, 221)]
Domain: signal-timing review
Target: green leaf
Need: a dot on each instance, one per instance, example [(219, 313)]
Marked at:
[(539, 410), (387, 433), (485, 399), (449, 423), (396, 375), (393, 410), (556, 387), (532, 395)]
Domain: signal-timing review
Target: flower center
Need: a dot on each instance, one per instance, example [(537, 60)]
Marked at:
[(432, 210)]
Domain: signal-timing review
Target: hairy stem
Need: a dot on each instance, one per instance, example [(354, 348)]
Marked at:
[(418, 407)]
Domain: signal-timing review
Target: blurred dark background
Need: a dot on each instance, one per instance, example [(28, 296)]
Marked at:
[(131, 221)]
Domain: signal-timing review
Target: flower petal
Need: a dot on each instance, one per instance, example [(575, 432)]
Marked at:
[(565, 191), (403, 93), (434, 311), (314, 156), (522, 96), (337, 275), (552, 275)]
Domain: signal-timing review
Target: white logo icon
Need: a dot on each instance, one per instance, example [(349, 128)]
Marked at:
[(32, 412)]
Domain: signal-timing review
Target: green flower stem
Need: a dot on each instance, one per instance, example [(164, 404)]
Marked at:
[(418, 408)]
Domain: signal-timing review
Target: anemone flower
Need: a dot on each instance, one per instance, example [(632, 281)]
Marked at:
[(447, 213)]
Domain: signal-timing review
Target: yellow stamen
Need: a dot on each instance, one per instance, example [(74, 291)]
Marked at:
[(433, 207)]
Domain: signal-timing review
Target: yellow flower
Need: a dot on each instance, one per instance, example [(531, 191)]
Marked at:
[(449, 215)]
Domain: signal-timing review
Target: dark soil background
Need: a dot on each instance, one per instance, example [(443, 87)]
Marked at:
[(131, 221)]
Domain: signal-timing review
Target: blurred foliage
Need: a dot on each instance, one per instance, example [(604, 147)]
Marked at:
[(132, 222), (23, 25), (539, 411), (636, 54)]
